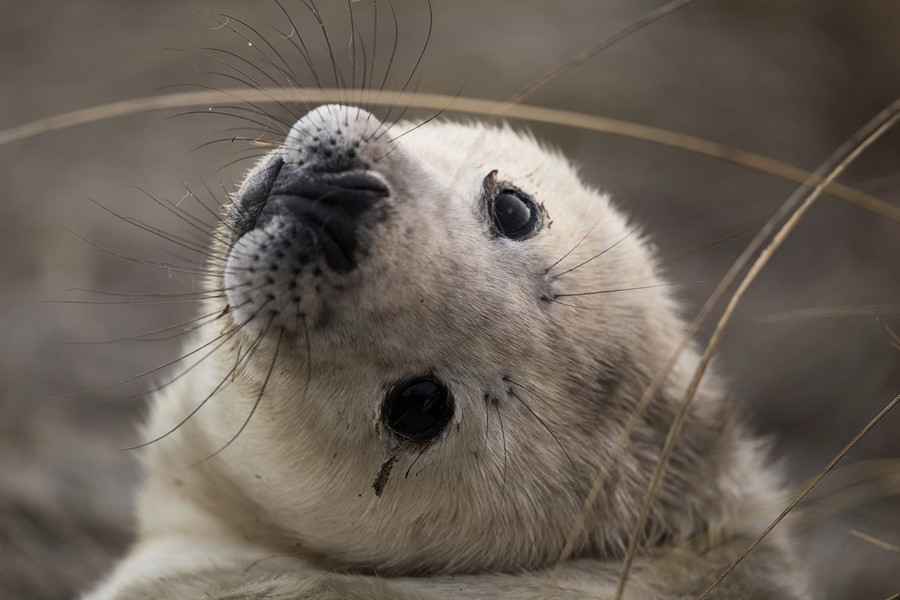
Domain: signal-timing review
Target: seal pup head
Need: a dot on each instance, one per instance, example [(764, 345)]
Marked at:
[(441, 338)]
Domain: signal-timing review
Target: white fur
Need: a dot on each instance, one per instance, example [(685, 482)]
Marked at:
[(500, 490)]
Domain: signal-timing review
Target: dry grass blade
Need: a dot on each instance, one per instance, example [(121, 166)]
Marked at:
[(829, 312), (797, 205), (892, 335), (871, 539), (852, 486), (458, 104), (755, 245), (648, 19), (506, 109), (802, 495)]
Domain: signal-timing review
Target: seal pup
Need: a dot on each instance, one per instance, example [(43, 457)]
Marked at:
[(428, 346)]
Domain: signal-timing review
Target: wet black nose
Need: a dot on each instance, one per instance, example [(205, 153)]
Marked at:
[(349, 195), (333, 207)]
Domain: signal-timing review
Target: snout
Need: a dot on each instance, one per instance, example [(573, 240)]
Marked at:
[(304, 219), (331, 208)]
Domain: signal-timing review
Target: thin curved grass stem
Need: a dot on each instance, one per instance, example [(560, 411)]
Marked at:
[(456, 104)]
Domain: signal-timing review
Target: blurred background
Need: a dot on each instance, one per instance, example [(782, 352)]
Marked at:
[(809, 358)]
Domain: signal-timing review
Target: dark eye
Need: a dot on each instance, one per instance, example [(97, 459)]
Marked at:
[(515, 214), (418, 409)]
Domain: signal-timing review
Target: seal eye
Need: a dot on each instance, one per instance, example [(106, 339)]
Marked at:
[(515, 214), (418, 409)]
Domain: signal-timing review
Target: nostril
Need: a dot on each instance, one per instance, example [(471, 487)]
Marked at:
[(254, 195)]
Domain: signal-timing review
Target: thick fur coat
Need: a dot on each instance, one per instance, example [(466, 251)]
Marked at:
[(275, 475)]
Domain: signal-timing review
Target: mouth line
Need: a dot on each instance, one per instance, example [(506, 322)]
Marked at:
[(338, 252), (326, 241)]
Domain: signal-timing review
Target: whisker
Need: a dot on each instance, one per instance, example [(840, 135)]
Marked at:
[(308, 344), (259, 143), (215, 215), (425, 46), (186, 355), (421, 124), (289, 75), (254, 85), (374, 40), (540, 420), (364, 73), (487, 414), (314, 9), (299, 44), (220, 26), (598, 255), (411, 129), (215, 198), (415, 68), (265, 73), (253, 82), (210, 112), (245, 105), (259, 397), (187, 370), (352, 44), (386, 125), (390, 63), (220, 339), (222, 383), (256, 132), (555, 301), (208, 228), (169, 237), (189, 219), (503, 440), (167, 267), (241, 159), (612, 291), (573, 248), (371, 72), (156, 294), (288, 71), (133, 302), (152, 335)]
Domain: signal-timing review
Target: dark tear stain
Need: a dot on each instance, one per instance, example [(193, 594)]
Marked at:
[(383, 475)]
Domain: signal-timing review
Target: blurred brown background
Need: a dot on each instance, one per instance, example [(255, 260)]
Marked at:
[(787, 78)]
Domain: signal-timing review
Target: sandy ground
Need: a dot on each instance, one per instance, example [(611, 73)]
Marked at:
[(787, 79)]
